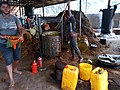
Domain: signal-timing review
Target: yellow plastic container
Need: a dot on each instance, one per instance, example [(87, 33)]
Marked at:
[(99, 79), (85, 71), (69, 78)]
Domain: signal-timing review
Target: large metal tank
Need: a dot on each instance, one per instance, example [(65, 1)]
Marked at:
[(51, 43), (107, 20), (107, 17)]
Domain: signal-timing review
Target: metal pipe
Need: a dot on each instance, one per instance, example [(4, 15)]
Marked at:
[(62, 30), (20, 10), (40, 36), (43, 8), (108, 4), (115, 4), (86, 8), (80, 19)]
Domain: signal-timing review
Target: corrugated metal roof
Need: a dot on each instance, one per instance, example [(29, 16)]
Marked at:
[(36, 3)]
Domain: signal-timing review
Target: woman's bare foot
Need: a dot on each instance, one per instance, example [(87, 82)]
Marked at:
[(18, 72), (12, 83)]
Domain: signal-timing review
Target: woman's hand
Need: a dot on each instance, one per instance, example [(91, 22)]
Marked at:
[(21, 38), (4, 37), (7, 36)]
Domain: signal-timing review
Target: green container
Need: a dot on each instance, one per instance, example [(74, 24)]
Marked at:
[(83, 44)]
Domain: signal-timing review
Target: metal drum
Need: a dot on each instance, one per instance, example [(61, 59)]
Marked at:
[(51, 43), (107, 20)]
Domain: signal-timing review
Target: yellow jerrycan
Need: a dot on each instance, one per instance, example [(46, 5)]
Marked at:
[(85, 71), (99, 79), (83, 43), (69, 78)]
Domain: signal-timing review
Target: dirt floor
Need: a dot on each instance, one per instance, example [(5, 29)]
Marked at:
[(43, 81)]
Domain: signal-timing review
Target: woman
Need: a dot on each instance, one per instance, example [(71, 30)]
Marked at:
[(9, 25)]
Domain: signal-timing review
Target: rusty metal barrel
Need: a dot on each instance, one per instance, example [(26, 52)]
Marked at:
[(51, 43)]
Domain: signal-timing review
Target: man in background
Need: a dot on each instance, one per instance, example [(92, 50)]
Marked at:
[(72, 33)]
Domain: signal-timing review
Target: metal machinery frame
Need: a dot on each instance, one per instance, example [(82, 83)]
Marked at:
[(43, 20)]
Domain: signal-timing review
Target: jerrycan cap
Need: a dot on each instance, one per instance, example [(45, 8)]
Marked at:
[(34, 62), (66, 66), (39, 58)]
